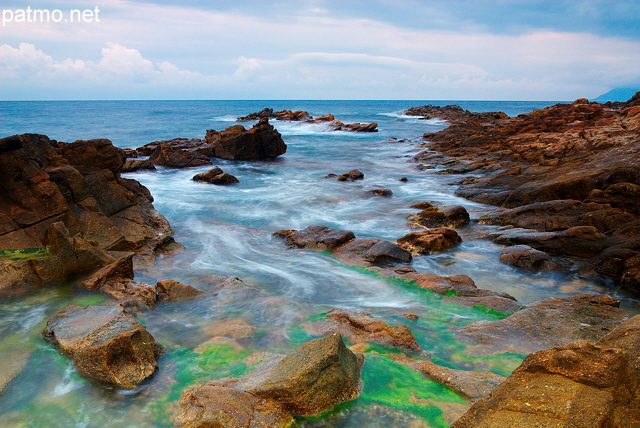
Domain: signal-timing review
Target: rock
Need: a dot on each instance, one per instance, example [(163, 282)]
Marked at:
[(472, 386), (544, 324), (579, 385), (360, 127), (215, 176), (363, 327), (262, 141), (453, 113), (385, 251), (451, 216), (352, 175), (320, 238), (187, 144), (215, 406), (429, 241), (264, 113), (379, 192), (106, 344), (78, 184), (170, 290), (120, 268), (131, 165), (175, 157), (297, 116), (317, 376), (528, 258), (582, 241)]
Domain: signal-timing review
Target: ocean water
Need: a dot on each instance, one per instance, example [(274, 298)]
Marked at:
[(227, 230)]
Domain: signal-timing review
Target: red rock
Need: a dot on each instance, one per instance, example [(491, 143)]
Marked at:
[(215, 176), (320, 238), (175, 157), (528, 258), (451, 216), (352, 175)]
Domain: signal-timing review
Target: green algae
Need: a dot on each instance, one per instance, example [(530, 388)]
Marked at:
[(25, 253)]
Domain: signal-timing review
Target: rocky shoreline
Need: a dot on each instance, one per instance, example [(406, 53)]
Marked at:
[(565, 180)]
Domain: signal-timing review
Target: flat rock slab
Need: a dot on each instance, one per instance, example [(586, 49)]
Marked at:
[(106, 344), (320, 238)]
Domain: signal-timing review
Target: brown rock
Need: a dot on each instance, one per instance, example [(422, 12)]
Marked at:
[(385, 251), (528, 258), (175, 157), (99, 154), (170, 290), (379, 192), (317, 376), (544, 324), (119, 269), (215, 406), (472, 386), (215, 176), (360, 127), (363, 327), (320, 238), (131, 165), (451, 216), (429, 241), (262, 141), (579, 385), (352, 175), (105, 344)]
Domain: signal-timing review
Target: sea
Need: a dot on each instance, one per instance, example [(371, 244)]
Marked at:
[(227, 230)]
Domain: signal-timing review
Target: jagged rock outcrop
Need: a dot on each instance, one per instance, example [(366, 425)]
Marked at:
[(262, 141), (106, 344), (555, 169), (303, 116), (78, 185)]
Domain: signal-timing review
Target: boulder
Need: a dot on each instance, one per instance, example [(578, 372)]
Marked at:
[(170, 290), (352, 175), (215, 176), (317, 376), (579, 385), (385, 251), (544, 324), (175, 157), (297, 116), (429, 241), (262, 141), (319, 238), (528, 258), (187, 144), (106, 344), (451, 216), (264, 113), (360, 127)]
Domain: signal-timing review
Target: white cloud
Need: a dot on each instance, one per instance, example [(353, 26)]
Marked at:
[(306, 53)]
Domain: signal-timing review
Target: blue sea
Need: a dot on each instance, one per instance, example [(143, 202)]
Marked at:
[(227, 230)]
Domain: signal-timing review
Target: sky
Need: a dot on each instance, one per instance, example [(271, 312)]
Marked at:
[(314, 49)]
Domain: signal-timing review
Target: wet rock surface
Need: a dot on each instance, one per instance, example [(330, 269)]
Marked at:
[(544, 324), (317, 376), (106, 344), (528, 258), (451, 216), (175, 157), (216, 176), (303, 116), (579, 385), (78, 185), (554, 169), (429, 241)]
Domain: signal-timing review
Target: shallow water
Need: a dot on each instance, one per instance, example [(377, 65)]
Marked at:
[(227, 230)]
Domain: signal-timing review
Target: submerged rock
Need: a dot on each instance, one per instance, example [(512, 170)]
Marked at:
[(429, 241), (106, 344), (363, 327), (216, 176), (378, 192), (352, 175), (317, 376), (385, 251), (544, 324), (262, 141)]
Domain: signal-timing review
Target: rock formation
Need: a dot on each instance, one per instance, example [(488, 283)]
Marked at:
[(262, 141), (71, 199)]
